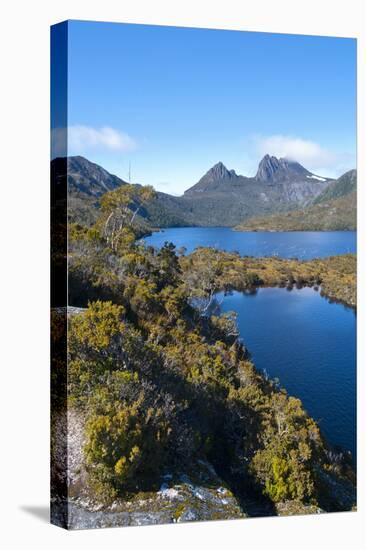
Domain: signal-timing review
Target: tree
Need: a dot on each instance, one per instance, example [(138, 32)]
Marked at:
[(203, 282), (169, 268), (120, 208)]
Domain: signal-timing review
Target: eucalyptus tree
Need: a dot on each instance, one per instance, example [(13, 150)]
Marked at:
[(120, 209)]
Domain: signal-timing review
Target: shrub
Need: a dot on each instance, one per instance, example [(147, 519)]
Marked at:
[(125, 447)]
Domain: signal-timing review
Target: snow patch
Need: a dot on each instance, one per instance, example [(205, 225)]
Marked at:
[(316, 178)]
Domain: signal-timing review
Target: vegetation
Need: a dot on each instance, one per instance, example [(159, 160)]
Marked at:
[(162, 382), (341, 187), (334, 215), (207, 271), (335, 209)]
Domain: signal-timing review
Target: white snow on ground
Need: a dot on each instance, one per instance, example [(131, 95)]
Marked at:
[(316, 178)]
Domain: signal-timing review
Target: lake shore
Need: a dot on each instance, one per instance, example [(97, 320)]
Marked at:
[(335, 275), (302, 245)]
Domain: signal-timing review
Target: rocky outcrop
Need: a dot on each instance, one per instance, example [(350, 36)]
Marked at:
[(179, 499), (198, 495)]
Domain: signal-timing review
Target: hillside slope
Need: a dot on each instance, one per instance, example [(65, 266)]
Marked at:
[(335, 209), (86, 183), (339, 188)]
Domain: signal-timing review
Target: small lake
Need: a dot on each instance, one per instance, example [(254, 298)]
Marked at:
[(296, 336), (296, 244), (310, 345)]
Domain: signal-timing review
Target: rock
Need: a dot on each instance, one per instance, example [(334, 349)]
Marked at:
[(184, 498), (188, 515), (196, 495), (169, 493)]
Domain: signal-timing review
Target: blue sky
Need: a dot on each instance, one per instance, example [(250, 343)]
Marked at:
[(174, 101)]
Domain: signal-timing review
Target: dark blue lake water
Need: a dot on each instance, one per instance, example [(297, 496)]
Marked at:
[(310, 345), (296, 336), (295, 244)]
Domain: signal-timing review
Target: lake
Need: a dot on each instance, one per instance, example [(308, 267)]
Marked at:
[(309, 344), (296, 244), (296, 336)]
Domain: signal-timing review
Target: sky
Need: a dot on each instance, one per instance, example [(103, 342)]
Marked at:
[(171, 102)]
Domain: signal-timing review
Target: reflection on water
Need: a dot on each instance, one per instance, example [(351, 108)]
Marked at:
[(310, 345)]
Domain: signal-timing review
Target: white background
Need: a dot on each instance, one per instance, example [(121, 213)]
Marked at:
[(24, 306)]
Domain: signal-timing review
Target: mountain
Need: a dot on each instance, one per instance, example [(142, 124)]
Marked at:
[(340, 187), (335, 209), (274, 170), (224, 198), (220, 198), (87, 178), (86, 183), (271, 170), (213, 179)]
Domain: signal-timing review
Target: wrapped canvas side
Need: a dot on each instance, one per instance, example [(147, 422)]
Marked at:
[(59, 454)]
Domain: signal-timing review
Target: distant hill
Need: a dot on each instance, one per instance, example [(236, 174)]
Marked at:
[(335, 209), (340, 187), (220, 198)]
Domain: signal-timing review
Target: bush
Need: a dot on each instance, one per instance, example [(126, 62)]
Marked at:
[(125, 447), (284, 477)]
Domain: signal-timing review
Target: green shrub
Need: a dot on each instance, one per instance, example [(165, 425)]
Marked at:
[(125, 447)]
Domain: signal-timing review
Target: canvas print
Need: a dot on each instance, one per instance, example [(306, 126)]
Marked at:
[(203, 264)]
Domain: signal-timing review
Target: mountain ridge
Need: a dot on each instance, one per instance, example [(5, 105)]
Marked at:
[(335, 209), (271, 170), (223, 197), (220, 198), (86, 182), (84, 176), (342, 186)]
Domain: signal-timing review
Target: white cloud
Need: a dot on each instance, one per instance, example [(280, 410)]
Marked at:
[(312, 155), (86, 137), (304, 151), (81, 139)]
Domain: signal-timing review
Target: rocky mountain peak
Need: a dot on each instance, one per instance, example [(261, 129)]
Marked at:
[(271, 169), (215, 176), (218, 172)]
